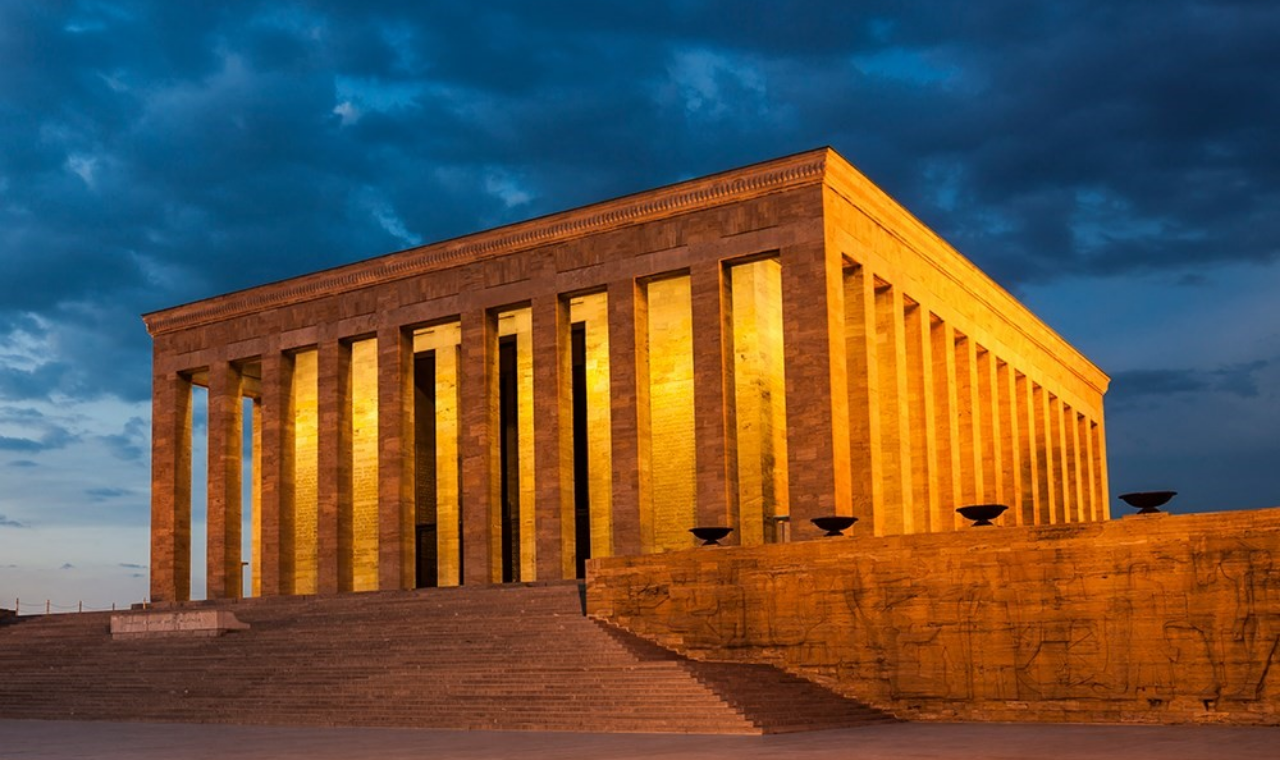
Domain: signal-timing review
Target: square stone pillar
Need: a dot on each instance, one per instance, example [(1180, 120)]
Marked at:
[(333, 486), (1028, 435), (1058, 434), (553, 438), (170, 487), (1010, 443), (922, 427), (226, 426), (946, 404), (893, 513), (989, 424), (1045, 476), (716, 502), (276, 475), (478, 433), (818, 460), (395, 459), (629, 419), (969, 411), (863, 389), (1099, 437)]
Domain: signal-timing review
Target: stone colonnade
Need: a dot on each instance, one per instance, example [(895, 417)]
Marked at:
[(750, 350)]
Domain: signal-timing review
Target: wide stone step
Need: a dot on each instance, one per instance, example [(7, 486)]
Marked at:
[(511, 658)]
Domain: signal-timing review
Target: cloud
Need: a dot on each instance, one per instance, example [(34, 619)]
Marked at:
[(6, 522), (23, 463), (1237, 380), (131, 442), (106, 494), (131, 566), (67, 566)]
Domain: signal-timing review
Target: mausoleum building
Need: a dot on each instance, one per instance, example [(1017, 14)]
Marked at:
[(751, 350)]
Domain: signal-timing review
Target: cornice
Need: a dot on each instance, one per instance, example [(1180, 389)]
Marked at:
[(707, 192), (844, 179)]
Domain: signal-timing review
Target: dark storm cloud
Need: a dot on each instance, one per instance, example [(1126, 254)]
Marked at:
[(161, 152), (1239, 380)]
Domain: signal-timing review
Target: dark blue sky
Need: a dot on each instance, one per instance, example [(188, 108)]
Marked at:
[(1115, 165)]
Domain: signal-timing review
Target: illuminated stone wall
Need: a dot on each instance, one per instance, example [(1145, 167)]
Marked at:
[(1167, 618), (305, 463), (669, 511), (364, 465), (759, 399), (443, 340), (592, 311)]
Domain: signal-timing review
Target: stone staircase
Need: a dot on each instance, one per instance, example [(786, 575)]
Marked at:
[(505, 658)]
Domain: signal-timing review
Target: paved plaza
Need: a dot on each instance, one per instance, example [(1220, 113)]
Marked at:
[(64, 740)]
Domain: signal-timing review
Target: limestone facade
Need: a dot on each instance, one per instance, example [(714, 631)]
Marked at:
[(749, 349)]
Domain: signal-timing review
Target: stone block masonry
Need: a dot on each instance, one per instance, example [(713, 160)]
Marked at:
[(1159, 619)]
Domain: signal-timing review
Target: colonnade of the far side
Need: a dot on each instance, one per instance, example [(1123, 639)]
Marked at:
[(939, 420), (891, 414)]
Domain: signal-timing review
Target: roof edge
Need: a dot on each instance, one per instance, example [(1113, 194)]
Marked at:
[(796, 170)]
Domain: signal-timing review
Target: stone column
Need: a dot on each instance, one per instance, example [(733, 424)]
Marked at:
[(170, 487), (553, 438), (862, 388), (333, 486), (1070, 431), (629, 413), (395, 459), (1028, 435), (1100, 470), (1058, 460), (223, 575), (989, 424), (894, 512), (818, 458), (712, 384), (969, 412), (1091, 475), (1010, 442), (276, 475), (922, 427), (478, 430), (1045, 476), (946, 424)]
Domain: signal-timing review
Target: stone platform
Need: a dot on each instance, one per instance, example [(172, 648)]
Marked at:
[(1153, 619)]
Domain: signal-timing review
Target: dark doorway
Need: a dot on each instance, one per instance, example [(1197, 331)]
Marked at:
[(581, 480), (425, 516), (509, 456)]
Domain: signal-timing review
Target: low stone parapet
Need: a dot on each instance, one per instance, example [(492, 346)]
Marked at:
[(141, 625)]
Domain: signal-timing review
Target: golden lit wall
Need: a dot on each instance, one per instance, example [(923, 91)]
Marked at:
[(759, 398), (592, 310), (519, 322), (669, 511), (305, 464), (364, 465), (444, 340), (254, 420)]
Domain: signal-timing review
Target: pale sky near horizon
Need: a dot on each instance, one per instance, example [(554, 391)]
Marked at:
[(1114, 165)]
